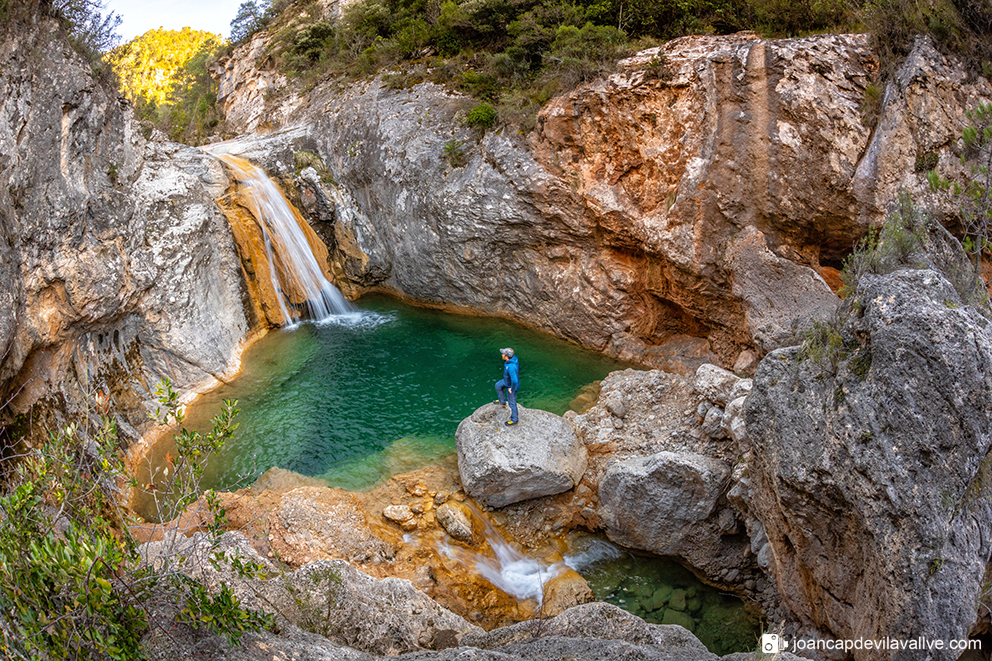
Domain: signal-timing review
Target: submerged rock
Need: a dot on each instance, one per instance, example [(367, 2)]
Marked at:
[(500, 465)]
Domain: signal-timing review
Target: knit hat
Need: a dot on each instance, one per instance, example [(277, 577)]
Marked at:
[(507, 351)]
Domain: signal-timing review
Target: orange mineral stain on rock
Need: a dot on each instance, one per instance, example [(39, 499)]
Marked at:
[(264, 265), (292, 521)]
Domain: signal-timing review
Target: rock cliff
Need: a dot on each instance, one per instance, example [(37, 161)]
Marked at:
[(871, 474), (672, 217), (118, 269)]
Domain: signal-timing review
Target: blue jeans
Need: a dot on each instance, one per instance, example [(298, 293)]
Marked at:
[(507, 395)]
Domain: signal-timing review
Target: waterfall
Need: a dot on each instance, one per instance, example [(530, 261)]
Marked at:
[(295, 275), (516, 574)]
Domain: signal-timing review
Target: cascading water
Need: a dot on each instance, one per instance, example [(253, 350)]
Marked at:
[(296, 276), (516, 574)]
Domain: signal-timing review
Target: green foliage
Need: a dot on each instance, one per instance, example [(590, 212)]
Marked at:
[(164, 73), (454, 153), (72, 585), (307, 159), (823, 344), (177, 485), (871, 104), (61, 593), (973, 192), (316, 617), (958, 26), (252, 16), (92, 30), (901, 236), (926, 161), (150, 66), (482, 116), (789, 18)]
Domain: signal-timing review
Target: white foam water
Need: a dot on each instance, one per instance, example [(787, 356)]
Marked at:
[(286, 244)]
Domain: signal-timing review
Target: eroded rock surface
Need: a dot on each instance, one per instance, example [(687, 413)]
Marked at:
[(500, 465), (871, 475), (117, 267), (673, 220)]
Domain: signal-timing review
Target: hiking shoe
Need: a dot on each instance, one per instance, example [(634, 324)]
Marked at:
[(499, 403), (510, 423)]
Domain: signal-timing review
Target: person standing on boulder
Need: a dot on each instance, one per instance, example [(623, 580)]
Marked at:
[(510, 382)]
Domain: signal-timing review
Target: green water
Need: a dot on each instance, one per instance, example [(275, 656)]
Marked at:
[(353, 404), (663, 592)]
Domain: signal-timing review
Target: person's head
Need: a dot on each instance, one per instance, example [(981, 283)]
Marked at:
[(507, 353)]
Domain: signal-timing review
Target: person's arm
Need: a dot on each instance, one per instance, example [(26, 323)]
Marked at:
[(514, 378)]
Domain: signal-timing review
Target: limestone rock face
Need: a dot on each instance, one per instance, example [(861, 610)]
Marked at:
[(500, 465), (871, 476), (638, 218), (659, 483), (117, 268), (653, 503)]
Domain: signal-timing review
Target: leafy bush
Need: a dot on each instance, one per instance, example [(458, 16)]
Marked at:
[(164, 73), (71, 582), (973, 192), (252, 16), (892, 247), (454, 153), (483, 116)]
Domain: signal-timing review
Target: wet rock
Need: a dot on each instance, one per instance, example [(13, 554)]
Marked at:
[(455, 521), (400, 514), (677, 600), (886, 453), (715, 383), (500, 465), (678, 617), (564, 591)]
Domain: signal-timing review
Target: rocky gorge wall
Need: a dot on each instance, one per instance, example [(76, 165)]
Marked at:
[(118, 269), (671, 218)]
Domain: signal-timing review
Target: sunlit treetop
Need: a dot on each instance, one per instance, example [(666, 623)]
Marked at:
[(149, 66)]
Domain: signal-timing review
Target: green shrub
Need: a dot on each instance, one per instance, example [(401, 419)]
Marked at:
[(483, 116), (454, 153), (903, 233), (71, 582), (823, 344), (313, 40)]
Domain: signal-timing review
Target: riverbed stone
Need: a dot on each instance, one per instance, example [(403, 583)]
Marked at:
[(564, 591), (500, 465), (455, 521), (672, 616), (677, 600)]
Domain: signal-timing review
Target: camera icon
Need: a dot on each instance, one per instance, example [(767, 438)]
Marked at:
[(771, 643)]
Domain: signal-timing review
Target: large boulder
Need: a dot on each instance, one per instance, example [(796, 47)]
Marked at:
[(870, 472), (656, 503), (500, 465)]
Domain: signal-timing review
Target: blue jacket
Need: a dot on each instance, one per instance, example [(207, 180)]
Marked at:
[(511, 374)]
